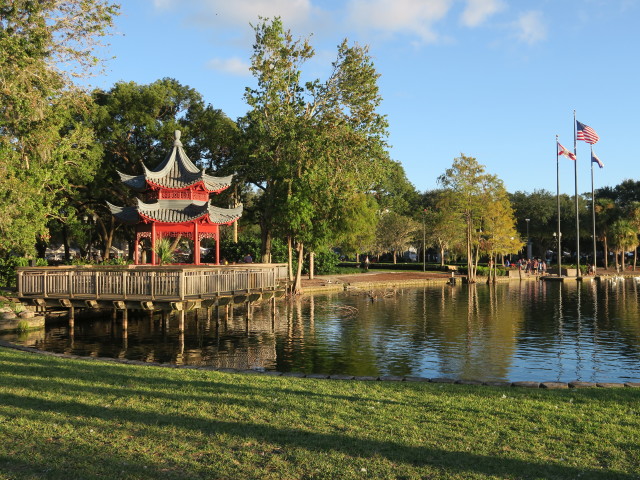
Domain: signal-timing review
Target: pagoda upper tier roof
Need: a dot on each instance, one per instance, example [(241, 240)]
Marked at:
[(176, 171), (175, 211)]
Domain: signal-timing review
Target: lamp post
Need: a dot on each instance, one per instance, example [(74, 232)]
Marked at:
[(557, 238), (424, 240), (510, 261), (528, 242), (90, 220)]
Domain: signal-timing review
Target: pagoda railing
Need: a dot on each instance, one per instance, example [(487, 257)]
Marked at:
[(166, 283)]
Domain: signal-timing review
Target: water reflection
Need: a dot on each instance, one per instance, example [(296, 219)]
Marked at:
[(517, 331)]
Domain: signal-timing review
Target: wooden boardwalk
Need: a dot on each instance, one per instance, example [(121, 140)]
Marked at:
[(175, 287)]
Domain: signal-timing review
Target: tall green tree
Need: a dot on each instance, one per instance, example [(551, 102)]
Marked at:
[(624, 237), (473, 193), (45, 148), (312, 149), (444, 229), (395, 233)]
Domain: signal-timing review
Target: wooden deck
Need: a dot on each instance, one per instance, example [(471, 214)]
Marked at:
[(148, 287)]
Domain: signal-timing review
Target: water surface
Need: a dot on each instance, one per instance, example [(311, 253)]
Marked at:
[(542, 331)]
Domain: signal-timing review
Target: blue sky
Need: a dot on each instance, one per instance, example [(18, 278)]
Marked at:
[(493, 79)]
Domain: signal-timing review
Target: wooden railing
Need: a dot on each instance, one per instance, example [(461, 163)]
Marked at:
[(146, 282)]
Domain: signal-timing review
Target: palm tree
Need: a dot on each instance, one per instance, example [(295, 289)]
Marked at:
[(624, 237)]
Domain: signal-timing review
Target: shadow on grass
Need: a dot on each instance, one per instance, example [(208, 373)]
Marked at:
[(314, 442), (56, 460)]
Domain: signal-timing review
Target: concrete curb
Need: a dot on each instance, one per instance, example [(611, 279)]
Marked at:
[(319, 376)]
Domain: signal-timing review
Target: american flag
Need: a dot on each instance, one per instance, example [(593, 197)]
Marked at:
[(586, 133), (565, 152), (595, 159)]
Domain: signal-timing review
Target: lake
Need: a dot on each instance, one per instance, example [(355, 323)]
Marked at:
[(530, 330)]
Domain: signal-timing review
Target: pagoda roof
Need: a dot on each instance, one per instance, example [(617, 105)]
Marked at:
[(175, 211), (176, 171)]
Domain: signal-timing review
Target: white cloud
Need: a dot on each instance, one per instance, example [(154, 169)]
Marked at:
[(415, 17), (234, 66), (477, 11), (530, 27)]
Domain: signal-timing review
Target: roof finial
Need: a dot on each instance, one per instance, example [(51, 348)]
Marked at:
[(177, 143)]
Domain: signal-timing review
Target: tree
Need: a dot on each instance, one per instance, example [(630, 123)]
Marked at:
[(312, 150), (444, 229), (45, 148), (606, 213), (471, 191), (395, 233), (624, 237), (499, 233)]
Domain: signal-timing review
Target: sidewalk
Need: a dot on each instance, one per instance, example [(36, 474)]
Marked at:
[(369, 279)]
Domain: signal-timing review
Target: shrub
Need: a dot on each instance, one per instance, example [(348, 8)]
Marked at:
[(23, 326), (8, 269), (163, 250)]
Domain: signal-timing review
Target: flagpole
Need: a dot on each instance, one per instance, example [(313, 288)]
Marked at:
[(593, 214), (575, 169), (558, 202)]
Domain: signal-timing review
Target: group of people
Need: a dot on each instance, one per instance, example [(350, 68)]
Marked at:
[(531, 266)]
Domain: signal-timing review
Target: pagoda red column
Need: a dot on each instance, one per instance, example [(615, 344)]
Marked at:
[(217, 234), (196, 244), (153, 244)]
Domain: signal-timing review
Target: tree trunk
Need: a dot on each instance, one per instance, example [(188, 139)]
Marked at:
[(265, 247), (442, 257), (311, 265), (65, 240), (394, 257), (471, 274), (290, 258), (606, 252), (297, 283)]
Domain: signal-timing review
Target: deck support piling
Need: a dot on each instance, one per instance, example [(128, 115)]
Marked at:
[(181, 321), (125, 321)]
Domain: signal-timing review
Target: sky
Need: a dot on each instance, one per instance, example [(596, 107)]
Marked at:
[(492, 79)]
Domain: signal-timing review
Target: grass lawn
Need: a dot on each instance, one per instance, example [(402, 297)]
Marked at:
[(76, 419)]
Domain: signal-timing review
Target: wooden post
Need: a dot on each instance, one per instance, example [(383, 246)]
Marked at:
[(181, 321), (125, 322)]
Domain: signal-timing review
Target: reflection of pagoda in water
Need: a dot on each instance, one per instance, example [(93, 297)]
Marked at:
[(178, 205)]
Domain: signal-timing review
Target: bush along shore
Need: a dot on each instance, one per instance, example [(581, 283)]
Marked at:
[(72, 418)]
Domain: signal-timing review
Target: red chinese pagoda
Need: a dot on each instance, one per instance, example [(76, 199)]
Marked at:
[(179, 205)]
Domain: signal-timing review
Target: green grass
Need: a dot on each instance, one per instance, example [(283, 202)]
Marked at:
[(74, 419)]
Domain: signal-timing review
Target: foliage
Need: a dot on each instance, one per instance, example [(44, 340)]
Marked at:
[(444, 230), (624, 237), (311, 149), (8, 268), (23, 326), (235, 252), (325, 262), (164, 250), (45, 147), (472, 193), (395, 233)]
